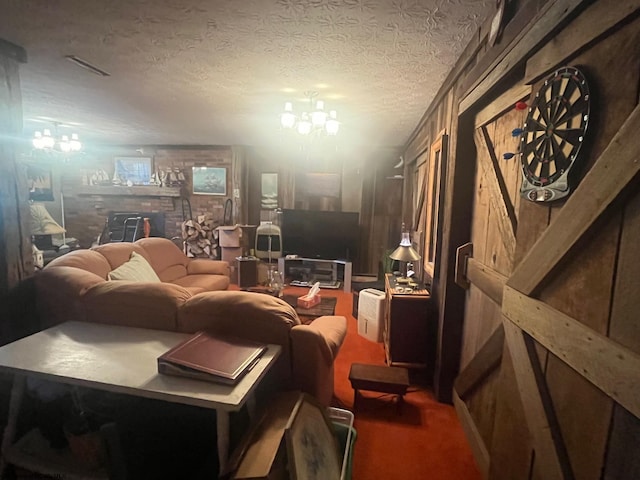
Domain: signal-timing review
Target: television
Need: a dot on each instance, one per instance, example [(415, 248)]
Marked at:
[(320, 234)]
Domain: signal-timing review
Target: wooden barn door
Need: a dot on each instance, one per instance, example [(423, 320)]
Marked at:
[(554, 293), (488, 262)]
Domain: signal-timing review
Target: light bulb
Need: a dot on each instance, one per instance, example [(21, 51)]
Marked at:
[(37, 140), (47, 139), (319, 116), (75, 143), (304, 125), (64, 144), (287, 118), (333, 125)]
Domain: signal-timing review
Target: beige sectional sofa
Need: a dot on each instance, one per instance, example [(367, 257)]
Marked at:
[(188, 295)]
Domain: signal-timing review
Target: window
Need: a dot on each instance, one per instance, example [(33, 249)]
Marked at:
[(434, 199)]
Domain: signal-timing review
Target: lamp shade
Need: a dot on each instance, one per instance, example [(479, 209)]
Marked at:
[(405, 253), (41, 221)]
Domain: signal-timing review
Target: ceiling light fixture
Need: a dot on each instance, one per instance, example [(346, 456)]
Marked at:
[(314, 120), (46, 141)]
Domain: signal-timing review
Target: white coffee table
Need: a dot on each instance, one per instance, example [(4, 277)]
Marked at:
[(123, 360)]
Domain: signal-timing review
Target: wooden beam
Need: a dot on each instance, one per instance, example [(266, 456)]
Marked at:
[(504, 102), (514, 28), (486, 279), (483, 363), (608, 365), (478, 447), (552, 14), (611, 173), (497, 194), (13, 51), (596, 20), (551, 461)]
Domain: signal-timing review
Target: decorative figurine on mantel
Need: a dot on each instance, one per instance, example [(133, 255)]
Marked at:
[(169, 177)]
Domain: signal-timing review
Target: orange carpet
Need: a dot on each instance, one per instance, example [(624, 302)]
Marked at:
[(422, 441)]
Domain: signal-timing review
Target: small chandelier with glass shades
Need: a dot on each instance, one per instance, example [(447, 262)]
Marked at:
[(316, 120), (44, 140)]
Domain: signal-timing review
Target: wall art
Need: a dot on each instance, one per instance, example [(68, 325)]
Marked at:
[(210, 181)]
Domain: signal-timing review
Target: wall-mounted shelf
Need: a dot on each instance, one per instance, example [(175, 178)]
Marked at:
[(137, 191)]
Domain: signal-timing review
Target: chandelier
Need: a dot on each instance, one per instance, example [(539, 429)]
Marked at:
[(46, 141), (309, 122)]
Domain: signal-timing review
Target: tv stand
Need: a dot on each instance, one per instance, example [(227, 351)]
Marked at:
[(327, 272)]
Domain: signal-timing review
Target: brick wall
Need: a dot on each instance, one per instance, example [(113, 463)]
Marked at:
[(85, 215)]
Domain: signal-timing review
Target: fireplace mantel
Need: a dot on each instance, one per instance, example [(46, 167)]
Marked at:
[(135, 191)]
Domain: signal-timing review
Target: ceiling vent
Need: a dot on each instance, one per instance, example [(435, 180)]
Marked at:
[(87, 66)]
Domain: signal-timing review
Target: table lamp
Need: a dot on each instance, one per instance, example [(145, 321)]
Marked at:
[(405, 253), (43, 226)]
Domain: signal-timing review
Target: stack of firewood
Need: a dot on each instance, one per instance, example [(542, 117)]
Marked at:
[(200, 237)]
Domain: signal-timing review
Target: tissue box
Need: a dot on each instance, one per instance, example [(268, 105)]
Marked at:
[(306, 301)]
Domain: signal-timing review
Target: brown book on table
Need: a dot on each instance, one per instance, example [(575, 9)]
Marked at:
[(215, 359)]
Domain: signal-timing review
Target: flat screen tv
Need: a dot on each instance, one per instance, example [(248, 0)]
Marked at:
[(320, 234)]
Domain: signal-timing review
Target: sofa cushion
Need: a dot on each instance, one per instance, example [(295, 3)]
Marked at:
[(86, 260), (118, 253), (165, 257), (205, 282), (137, 269), (238, 313), (135, 304), (205, 266)]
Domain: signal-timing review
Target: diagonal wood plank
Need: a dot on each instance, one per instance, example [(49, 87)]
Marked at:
[(613, 170), (478, 447), (497, 195), (551, 15), (596, 20), (551, 460), (486, 279), (605, 363), (483, 363), (504, 102)]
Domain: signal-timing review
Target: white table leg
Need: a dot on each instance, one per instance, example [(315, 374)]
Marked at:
[(17, 392), (222, 426)]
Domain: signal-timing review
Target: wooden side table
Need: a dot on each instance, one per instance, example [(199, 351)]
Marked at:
[(378, 378), (406, 325)]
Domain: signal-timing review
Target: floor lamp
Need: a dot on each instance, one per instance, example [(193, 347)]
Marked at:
[(64, 245)]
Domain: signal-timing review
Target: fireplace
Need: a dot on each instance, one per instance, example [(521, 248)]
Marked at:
[(121, 226)]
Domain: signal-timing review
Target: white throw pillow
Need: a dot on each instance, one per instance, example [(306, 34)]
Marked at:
[(137, 269)]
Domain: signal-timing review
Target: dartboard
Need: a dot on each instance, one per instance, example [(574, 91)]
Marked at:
[(553, 135)]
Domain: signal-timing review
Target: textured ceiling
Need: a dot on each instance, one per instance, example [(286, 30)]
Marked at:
[(219, 72)]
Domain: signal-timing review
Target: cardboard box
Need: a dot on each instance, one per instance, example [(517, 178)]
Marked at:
[(305, 301), (268, 451), (262, 451), (229, 236), (229, 254)]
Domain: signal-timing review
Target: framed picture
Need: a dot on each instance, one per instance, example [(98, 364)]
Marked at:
[(312, 448), (40, 183), (321, 184), (269, 191), (132, 170), (209, 181)]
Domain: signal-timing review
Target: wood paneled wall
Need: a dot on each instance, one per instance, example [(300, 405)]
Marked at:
[(569, 272), (365, 188), (15, 250)]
